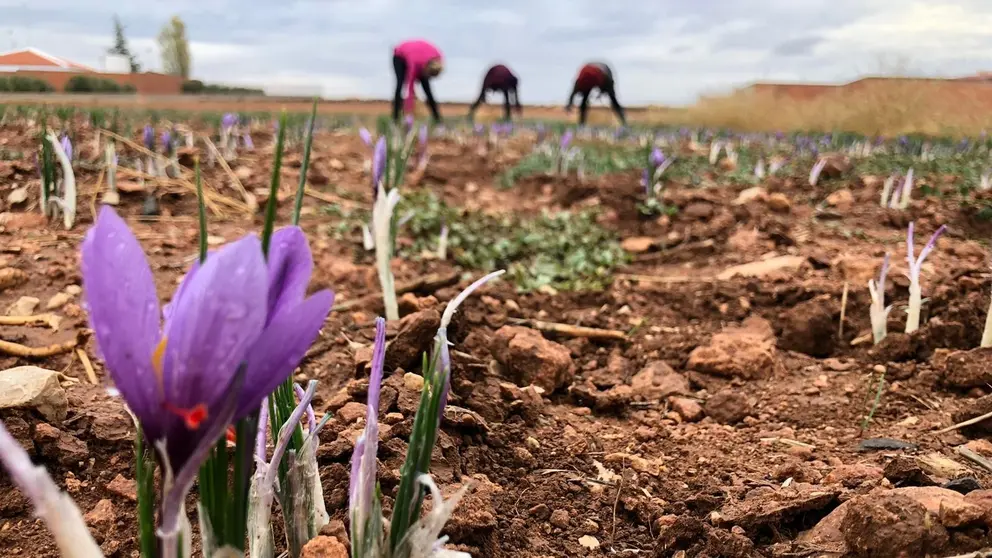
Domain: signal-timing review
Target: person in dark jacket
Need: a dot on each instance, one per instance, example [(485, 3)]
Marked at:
[(499, 78), (595, 75), (415, 61)]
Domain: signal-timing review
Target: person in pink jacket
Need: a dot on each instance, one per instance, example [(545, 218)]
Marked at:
[(415, 60)]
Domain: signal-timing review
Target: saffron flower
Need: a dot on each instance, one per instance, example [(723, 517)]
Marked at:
[(378, 164), (149, 138), (66, 144), (363, 506), (229, 120), (235, 329)]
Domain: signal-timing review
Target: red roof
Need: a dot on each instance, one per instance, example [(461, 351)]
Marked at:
[(32, 58)]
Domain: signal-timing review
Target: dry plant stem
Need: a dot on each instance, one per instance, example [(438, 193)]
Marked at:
[(50, 320), (963, 424), (328, 198), (87, 365), (16, 349), (974, 457), (183, 181), (570, 330), (843, 311), (985, 553), (429, 283), (227, 168)]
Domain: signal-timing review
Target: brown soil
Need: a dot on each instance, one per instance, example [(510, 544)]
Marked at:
[(650, 446)]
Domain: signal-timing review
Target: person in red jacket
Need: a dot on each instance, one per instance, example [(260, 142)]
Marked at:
[(413, 61), (595, 75), (499, 78)]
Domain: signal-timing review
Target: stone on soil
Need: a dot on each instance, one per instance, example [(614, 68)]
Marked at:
[(25, 306), (727, 406), (323, 546), (31, 387), (59, 446), (415, 335), (688, 409), (658, 381), (968, 369), (747, 352), (11, 277), (776, 506), (531, 359)]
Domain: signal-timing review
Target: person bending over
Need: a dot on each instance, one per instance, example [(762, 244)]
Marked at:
[(499, 78), (413, 61), (595, 75)]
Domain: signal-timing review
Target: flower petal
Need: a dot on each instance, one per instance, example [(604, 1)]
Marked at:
[(281, 347), (123, 310), (290, 265), (183, 285), (213, 324)]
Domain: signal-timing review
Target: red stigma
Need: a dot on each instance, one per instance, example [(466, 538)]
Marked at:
[(231, 435), (192, 417)]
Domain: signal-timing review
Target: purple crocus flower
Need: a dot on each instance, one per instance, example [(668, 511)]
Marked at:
[(235, 329), (149, 138), (656, 157), (366, 136), (361, 488), (408, 122), (167, 141), (66, 144), (566, 139), (249, 144), (378, 164)]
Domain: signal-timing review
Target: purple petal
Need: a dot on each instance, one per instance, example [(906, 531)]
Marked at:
[(123, 310), (366, 136), (214, 324), (311, 418), (290, 265), (169, 306), (378, 162), (378, 363), (363, 459), (281, 347)]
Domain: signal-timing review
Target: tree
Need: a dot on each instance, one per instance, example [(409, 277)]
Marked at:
[(175, 48), (120, 46)]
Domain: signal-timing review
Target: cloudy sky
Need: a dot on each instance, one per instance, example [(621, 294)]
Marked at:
[(662, 51)]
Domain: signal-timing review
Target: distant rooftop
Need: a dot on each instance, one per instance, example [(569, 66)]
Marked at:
[(34, 59)]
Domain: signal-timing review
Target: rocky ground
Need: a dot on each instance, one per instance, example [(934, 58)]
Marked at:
[(716, 408)]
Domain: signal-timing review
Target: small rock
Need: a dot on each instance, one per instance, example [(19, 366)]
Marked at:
[(11, 277), (658, 381), (728, 406), (968, 369), (36, 388), (688, 409), (73, 290), (415, 335), (17, 196), (891, 525), (59, 446), (560, 519), (102, 516), (323, 546), (963, 485), (776, 506), (754, 193), (531, 358), (25, 306), (351, 412), (854, 475), (637, 244), (588, 541), (540, 511), (779, 203), (841, 200), (524, 457), (121, 486), (589, 527), (58, 301), (878, 444), (746, 352)]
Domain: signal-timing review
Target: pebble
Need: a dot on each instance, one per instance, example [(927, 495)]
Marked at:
[(560, 519)]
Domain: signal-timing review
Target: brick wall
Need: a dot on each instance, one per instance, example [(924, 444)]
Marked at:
[(148, 83)]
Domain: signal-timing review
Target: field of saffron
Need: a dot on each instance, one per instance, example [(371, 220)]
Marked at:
[(702, 343)]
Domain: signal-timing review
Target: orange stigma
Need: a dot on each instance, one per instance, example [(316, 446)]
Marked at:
[(231, 434), (192, 417), (158, 356)]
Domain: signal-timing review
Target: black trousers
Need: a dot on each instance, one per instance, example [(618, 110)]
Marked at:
[(608, 89), (400, 68), (509, 99)]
